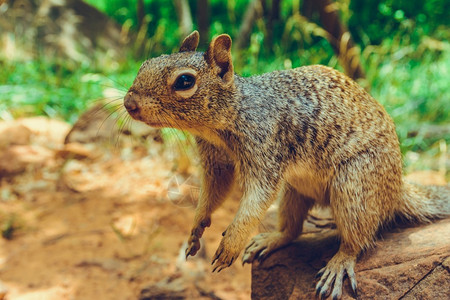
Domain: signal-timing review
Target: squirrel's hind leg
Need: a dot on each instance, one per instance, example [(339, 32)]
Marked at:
[(360, 202), (292, 212), (332, 275)]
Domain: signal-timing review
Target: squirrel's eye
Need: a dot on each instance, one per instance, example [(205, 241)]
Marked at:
[(184, 82)]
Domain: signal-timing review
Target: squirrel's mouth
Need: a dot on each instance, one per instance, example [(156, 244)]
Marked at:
[(152, 123), (165, 123), (156, 124)]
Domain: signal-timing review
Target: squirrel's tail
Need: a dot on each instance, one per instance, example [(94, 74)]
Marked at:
[(424, 203)]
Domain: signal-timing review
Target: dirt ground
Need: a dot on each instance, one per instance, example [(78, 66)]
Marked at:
[(83, 221), (89, 221)]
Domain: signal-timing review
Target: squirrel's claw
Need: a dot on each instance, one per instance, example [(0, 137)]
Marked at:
[(193, 247), (262, 245), (353, 284), (216, 256), (332, 276), (194, 238), (226, 254), (322, 287), (253, 252)]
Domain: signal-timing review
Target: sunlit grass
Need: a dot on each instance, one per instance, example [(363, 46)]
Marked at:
[(42, 87)]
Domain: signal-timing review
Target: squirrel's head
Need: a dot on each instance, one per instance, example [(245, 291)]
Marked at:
[(185, 90)]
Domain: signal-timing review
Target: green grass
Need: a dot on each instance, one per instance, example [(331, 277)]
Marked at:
[(43, 87), (413, 87)]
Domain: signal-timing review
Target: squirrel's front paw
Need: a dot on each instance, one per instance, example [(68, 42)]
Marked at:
[(226, 254), (194, 238), (262, 245)]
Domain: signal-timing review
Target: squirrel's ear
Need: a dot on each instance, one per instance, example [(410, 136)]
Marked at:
[(190, 43), (218, 56)]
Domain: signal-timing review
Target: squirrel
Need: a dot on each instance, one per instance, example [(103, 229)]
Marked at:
[(306, 136)]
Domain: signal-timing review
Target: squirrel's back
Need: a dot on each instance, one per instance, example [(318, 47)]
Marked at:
[(319, 110)]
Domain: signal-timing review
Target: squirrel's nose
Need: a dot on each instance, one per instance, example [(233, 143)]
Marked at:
[(130, 103)]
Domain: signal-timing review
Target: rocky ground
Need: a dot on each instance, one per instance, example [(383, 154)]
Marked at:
[(408, 262), (95, 212)]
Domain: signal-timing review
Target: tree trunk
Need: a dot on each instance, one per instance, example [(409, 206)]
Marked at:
[(203, 21), (340, 38), (273, 17), (140, 13), (253, 12), (308, 8), (184, 17), (276, 8)]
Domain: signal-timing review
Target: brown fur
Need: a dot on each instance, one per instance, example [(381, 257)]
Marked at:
[(309, 136)]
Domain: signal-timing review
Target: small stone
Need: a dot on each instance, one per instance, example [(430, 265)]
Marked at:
[(97, 124), (15, 159), (125, 226), (47, 131), (3, 291), (12, 133), (10, 165), (78, 151)]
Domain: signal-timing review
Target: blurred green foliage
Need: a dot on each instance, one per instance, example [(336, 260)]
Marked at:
[(55, 89), (404, 44), (373, 21)]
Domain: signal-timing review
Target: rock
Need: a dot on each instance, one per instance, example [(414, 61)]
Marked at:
[(48, 132), (12, 133), (407, 263), (15, 159), (139, 129), (177, 287), (27, 187), (93, 126), (3, 291), (187, 281), (78, 31), (165, 289), (10, 165), (99, 125), (80, 176), (433, 286), (125, 226), (78, 151)]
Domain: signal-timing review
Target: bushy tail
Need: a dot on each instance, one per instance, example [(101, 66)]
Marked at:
[(423, 203)]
